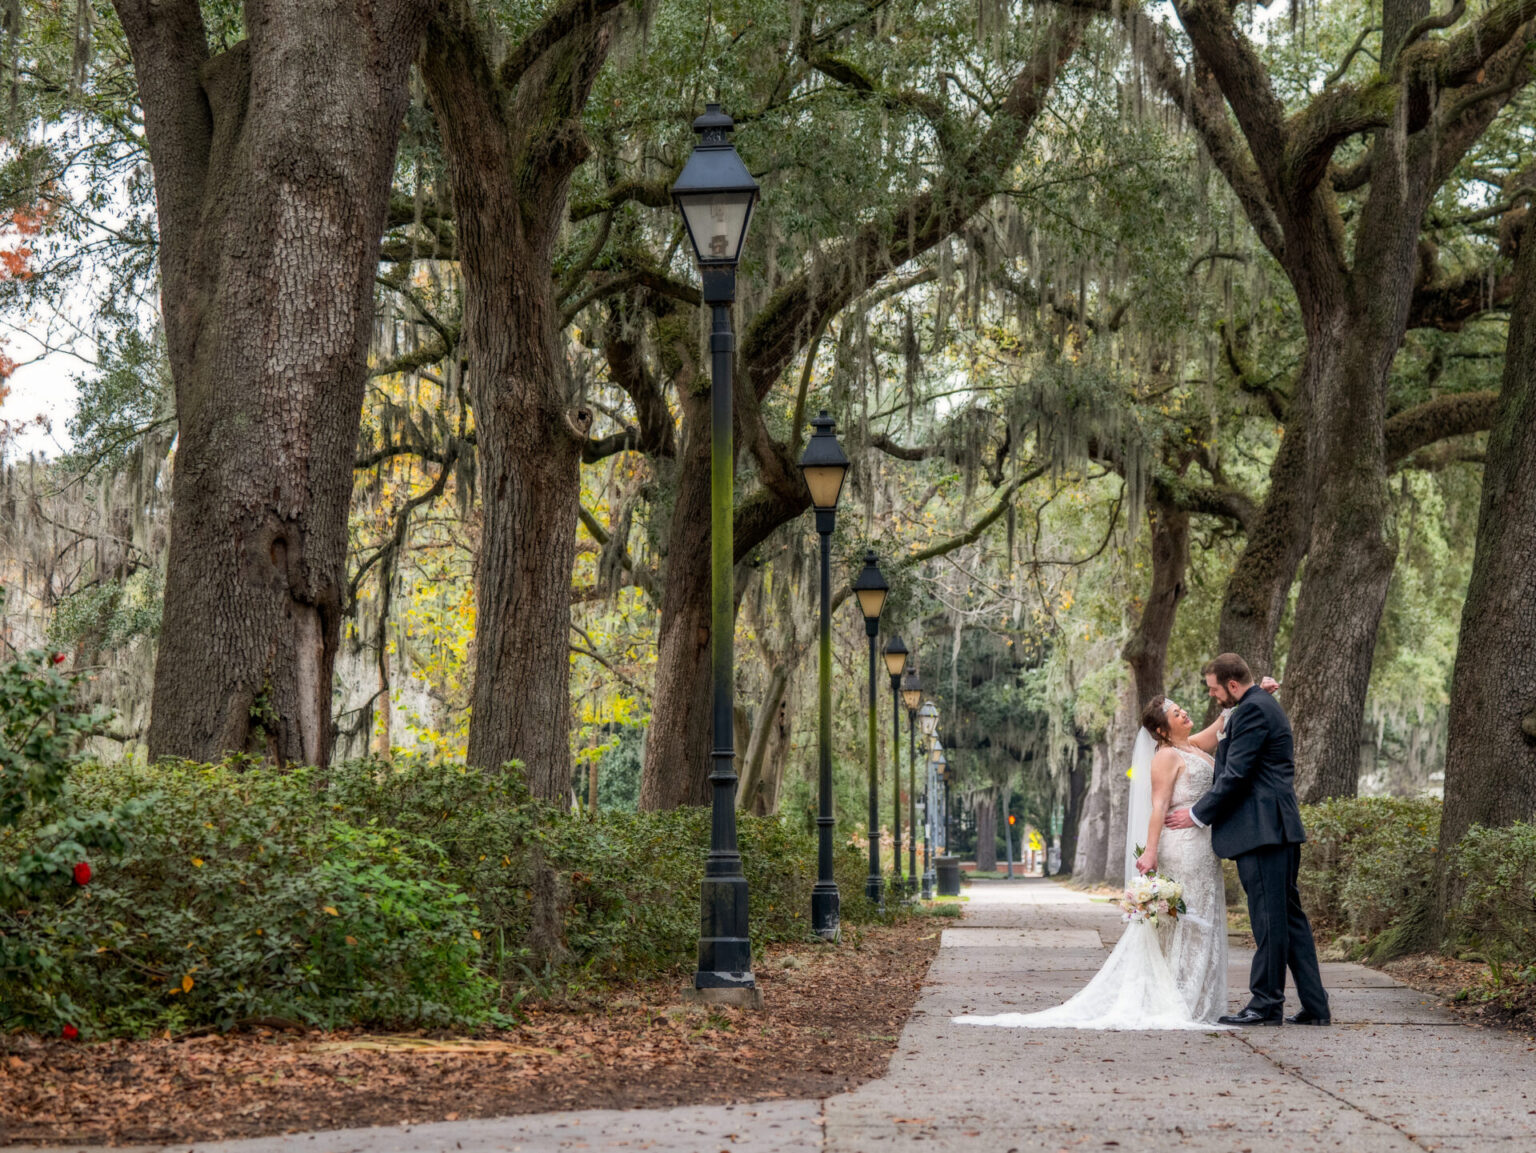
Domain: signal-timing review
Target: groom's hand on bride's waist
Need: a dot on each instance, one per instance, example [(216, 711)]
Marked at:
[(1179, 819)]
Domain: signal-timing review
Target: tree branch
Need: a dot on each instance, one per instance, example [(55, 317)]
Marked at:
[(557, 26), (797, 309), (1432, 23), (1462, 56), (1355, 49), (1436, 420), (1204, 110), (651, 193), (1448, 305), (1244, 82)]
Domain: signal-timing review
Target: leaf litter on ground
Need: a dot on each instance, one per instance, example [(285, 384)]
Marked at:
[(829, 1025)]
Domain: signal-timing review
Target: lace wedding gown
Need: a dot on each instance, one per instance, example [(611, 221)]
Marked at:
[(1168, 977)]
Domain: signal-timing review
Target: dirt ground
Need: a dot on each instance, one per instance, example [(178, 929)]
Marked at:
[(832, 1017), (1472, 989)]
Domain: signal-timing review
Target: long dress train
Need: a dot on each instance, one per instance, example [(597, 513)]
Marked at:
[(1167, 977)]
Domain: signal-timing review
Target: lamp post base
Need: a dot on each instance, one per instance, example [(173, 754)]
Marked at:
[(929, 879), (825, 919), (750, 997), (725, 953)]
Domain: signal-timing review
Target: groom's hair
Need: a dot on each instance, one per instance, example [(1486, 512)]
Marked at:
[(1229, 667)]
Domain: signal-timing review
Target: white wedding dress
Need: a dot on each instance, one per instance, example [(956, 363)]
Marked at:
[(1165, 977)]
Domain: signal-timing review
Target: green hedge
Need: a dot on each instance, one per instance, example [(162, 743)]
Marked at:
[(1368, 870), (1369, 873), (1496, 913), (625, 885), (239, 896), (373, 893)]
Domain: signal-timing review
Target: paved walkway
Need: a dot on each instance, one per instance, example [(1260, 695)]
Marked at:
[(1394, 1072)]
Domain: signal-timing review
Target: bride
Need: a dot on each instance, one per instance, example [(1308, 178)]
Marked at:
[(1172, 976)]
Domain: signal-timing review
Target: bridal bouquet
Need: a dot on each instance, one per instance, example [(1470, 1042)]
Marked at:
[(1151, 897)]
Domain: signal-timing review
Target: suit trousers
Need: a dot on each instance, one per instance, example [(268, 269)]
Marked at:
[(1281, 932)]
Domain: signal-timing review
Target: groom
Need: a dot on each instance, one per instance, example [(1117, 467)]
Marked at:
[(1254, 819)]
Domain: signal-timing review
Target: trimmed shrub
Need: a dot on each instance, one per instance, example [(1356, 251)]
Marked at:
[(240, 898), (1497, 910), (406, 894), (1368, 871), (564, 895)]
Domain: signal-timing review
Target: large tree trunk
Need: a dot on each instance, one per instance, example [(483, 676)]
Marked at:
[(1072, 808), (1259, 588), (1490, 762), (273, 163), (513, 138), (1121, 739), (676, 769), (1147, 650), (1351, 553), (984, 809), (760, 775), (1093, 829)]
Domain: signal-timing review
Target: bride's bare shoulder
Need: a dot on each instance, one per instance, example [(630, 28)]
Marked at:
[(1167, 760)]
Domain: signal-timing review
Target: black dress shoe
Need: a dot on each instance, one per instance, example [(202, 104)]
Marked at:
[(1248, 1018), (1307, 1017)]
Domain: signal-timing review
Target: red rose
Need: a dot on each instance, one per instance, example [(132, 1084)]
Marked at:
[(58, 658), (71, 1033), (83, 873)]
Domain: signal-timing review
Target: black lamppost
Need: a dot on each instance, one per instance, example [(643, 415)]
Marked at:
[(715, 194), (895, 662), (824, 464), (928, 721), (870, 587), (912, 697), (944, 777)]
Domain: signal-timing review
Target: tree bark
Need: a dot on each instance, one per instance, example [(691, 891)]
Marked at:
[(760, 773), (676, 768), (272, 163), (1072, 810), (984, 809), (1351, 551), (513, 138), (1093, 829), (1120, 739), (1147, 650), (1490, 762), (1259, 588)]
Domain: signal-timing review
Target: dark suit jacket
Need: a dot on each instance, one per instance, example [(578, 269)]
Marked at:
[(1252, 798)]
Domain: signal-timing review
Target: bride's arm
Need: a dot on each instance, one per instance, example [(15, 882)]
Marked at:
[(1205, 740), (1166, 767)]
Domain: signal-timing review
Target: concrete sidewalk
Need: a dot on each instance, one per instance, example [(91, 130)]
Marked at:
[(1394, 1072)]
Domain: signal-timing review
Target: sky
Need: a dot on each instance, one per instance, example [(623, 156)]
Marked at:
[(43, 388)]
